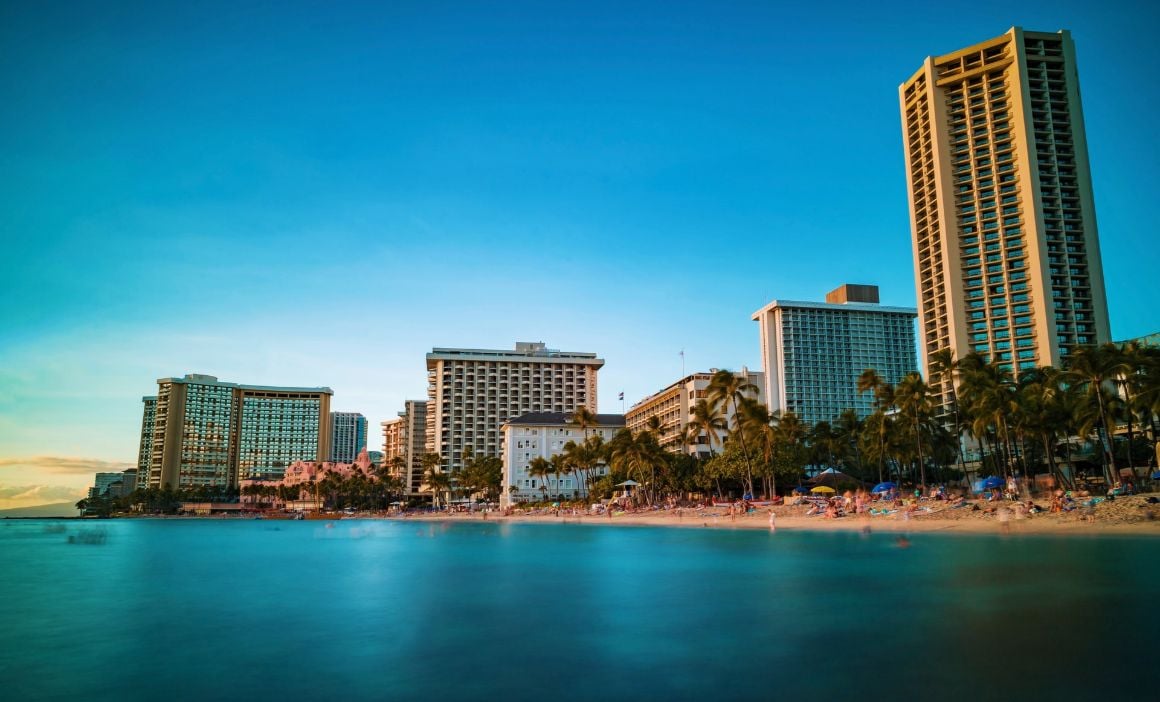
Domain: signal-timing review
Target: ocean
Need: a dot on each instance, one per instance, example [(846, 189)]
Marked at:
[(374, 610)]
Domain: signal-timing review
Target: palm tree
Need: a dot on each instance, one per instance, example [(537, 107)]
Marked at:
[(911, 395), (560, 466), (539, 468), (1092, 368), (943, 368), (727, 387), (583, 417), (848, 429), (435, 480), (705, 420), (871, 382), (641, 456), (1133, 359)]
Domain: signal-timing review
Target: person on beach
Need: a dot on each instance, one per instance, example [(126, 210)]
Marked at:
[(1004, 516), (772, 521)]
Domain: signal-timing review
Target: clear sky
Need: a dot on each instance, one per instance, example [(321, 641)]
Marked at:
[(293, 193)]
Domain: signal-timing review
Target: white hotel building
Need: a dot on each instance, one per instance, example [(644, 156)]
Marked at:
[(543, 435), (812, 352)]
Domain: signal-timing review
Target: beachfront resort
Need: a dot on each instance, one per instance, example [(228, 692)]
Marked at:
[(1017, 403)]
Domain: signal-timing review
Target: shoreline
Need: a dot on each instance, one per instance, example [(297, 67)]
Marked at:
[(1126, 516), (1042, 524)]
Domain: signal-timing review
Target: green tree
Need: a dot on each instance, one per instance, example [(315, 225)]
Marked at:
[(728, 389)]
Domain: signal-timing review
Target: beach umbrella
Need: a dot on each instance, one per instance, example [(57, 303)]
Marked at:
[(823, 488), (1156, 475), (884, 487), (992, 483), (628, 483), (800, 490), (834, 478)]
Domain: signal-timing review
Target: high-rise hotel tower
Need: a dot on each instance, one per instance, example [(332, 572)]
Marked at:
[(1006, 253), (206, 432), (472, 393)]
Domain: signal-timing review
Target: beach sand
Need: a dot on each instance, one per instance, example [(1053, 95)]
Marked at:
[(1126, 515)]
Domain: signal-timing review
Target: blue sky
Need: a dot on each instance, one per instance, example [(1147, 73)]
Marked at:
[(298, 194)]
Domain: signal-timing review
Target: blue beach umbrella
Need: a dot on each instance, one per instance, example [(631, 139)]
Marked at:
[(1156, 475), (992, 483), (884, 487), (801, 490)]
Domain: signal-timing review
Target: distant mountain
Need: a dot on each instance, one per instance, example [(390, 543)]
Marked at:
[(57, 509)]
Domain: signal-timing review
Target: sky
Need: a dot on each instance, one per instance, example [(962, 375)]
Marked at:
[(311, 194)]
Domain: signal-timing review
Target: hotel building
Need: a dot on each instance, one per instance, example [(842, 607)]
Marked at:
[(145, 450), (674, 406), (472, 392), (348, 436), (406, 437), (813, 352), (207, 432), (1003, 223), (114, 484), (543, 435)]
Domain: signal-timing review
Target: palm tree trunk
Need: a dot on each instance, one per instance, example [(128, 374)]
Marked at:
[(918, 443), (744, 451)]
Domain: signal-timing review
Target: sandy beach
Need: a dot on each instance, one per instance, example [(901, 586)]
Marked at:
[(1131, 515)]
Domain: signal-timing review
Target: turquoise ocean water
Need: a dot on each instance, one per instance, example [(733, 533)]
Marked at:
[(263, 610)]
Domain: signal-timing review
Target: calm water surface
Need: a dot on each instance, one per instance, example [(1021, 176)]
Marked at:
[(261, 610)]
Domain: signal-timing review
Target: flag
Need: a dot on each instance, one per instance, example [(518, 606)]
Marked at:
[(621, 396)]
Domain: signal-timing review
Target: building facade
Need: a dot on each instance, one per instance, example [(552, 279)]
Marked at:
[(405, 442), (543, 435), (1003, 222), (348, 436), (471, 393), (208, 432), (305, 476), (812, 353), (145, 449), (673, 406), (113, 485)]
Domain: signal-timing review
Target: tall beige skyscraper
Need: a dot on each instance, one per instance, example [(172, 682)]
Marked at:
[(1006, 251)]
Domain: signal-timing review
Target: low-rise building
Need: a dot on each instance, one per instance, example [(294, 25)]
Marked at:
[(303, 475), (544, 435), (673, 407)]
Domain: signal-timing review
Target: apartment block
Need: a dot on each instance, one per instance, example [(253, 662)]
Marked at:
[(1003, 221), (674, 406), (812, 353), (473, 392), (405, 437), (348, 436), (208, 432)]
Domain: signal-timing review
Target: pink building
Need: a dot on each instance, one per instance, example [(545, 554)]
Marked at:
[(304, 474)]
